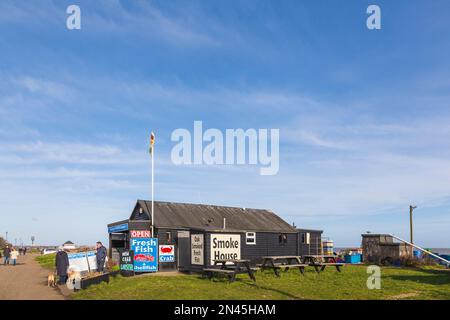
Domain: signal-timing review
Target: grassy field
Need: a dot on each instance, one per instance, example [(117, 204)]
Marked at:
[(47, 261), (396, 283)]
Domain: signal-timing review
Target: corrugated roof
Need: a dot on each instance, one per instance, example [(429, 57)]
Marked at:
[(201, 216)]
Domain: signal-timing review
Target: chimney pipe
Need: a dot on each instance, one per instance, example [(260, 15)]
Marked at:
[(224, 223)]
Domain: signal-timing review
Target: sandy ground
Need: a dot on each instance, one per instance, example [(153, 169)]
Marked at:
[(26, 281)]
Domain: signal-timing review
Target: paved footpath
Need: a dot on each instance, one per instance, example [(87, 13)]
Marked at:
[(26, 281)]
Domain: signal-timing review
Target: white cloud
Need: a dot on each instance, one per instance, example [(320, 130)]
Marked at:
[(110, 18), (49, 89)]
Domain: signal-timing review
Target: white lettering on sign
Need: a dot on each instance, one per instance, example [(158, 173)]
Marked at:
[(143, 246), (225, 246), (197, 249), (140, 234)]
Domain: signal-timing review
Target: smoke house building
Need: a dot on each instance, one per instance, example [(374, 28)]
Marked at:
[(200, 234)]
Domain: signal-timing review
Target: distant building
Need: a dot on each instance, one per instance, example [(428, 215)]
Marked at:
[(69, 245), (381, 249)]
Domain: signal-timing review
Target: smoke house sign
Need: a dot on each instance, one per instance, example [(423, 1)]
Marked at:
[(225, 246), (197, 249)]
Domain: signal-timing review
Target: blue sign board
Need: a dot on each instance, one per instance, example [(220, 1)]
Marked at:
[(145, 254), (118, 228)]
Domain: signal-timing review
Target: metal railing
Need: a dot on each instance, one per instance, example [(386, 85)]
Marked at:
[(422, 249)]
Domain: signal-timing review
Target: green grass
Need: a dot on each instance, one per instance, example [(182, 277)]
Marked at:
[(350, 284), (47, 261)]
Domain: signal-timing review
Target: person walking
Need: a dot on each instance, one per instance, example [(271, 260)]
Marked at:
[(6, 255), (62, 264), (14, 255), (101, 256), (24, 251)]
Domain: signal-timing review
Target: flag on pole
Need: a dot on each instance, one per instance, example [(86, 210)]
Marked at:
[(152, 142)]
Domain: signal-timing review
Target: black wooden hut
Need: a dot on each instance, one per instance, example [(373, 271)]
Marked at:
[(202, 233)]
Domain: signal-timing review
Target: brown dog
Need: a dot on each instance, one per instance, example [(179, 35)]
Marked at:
[(51, 280)]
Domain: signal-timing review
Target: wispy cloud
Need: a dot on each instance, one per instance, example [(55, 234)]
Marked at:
[(47, 88), (111, 18)]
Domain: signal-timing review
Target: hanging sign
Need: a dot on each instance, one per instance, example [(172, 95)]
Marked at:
[(140, 234), (118, 228)]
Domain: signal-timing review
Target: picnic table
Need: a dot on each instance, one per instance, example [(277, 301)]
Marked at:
[(276, 263), (231, 268), (320, 262)]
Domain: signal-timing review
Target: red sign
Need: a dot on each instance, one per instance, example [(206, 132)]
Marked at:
[(143, 258), (140, 234), (167, 249)]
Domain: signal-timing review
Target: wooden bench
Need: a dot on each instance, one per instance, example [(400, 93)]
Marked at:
[(231, 268), (320, 262), (286, 267), (231, 274), (323, 265), (276, 263)]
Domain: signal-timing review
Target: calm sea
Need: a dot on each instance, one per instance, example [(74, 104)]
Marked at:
[(436, 250), (440, 250)]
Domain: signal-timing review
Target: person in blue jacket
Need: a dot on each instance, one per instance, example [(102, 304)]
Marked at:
[(101, 257)]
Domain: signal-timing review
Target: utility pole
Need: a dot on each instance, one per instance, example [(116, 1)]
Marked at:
[(411, 209), (6, 239)]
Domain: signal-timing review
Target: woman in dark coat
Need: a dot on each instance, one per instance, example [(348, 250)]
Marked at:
[(62, 264)]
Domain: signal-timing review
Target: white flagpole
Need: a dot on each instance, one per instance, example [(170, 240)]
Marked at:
[(153, 166)]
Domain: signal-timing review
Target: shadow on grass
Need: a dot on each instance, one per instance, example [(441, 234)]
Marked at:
[(430, 276), (257, 286), (252, 284)]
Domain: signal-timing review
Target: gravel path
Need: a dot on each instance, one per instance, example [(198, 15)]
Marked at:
[(26, 281)]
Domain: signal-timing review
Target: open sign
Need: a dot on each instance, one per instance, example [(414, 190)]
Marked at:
[(140, 234)]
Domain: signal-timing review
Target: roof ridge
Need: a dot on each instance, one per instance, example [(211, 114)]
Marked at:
[(205, 205), (178, 214)]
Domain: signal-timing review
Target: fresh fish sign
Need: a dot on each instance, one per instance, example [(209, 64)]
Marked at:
[(145, 254), (166, 253)]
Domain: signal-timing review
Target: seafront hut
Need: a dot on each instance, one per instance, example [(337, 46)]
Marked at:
[(201, 233)]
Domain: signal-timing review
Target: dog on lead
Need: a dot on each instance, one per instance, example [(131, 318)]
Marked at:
[(74, 278), (51, 282)]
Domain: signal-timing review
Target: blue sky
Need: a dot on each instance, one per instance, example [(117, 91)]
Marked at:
[(363, 115)]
